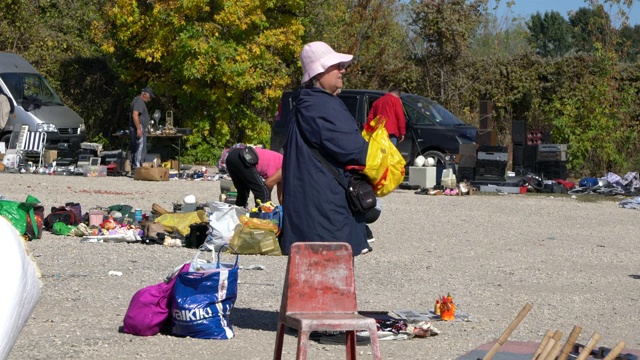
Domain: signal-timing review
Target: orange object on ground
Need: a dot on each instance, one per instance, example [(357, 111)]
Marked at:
[(447, 308)]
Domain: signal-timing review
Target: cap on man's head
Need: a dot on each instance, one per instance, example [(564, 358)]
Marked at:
[(149, 91), (317, 56)]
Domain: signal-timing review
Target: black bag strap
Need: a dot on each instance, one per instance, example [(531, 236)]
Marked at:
[(316, 154)]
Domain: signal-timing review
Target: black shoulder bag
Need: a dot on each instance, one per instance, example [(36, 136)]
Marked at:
[(360, 195), (249, 156)]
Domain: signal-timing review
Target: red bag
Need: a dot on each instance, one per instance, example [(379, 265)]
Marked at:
[(149, 308)]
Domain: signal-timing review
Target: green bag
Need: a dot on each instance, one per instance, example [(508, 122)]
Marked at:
[(60, 228), (21, 214)]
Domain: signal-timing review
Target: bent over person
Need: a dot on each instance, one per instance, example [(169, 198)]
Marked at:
[(259, 179)]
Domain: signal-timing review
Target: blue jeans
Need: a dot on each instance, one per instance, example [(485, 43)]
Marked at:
[(138, 148), (394, 140)]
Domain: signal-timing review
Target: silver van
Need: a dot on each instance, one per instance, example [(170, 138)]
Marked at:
[(35, 103)]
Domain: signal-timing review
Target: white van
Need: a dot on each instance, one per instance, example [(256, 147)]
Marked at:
[(35, 103)]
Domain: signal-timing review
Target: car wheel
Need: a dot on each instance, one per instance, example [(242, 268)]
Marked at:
[(436, 155)]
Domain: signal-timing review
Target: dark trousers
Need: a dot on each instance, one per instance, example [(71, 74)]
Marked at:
[(246, 178)]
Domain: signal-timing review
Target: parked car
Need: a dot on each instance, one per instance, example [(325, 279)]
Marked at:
[(432, 130), (35, 103)]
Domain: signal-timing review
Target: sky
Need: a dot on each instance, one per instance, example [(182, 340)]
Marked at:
[(526, 8)]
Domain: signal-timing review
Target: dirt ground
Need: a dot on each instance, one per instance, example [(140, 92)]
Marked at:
[(575, 260)]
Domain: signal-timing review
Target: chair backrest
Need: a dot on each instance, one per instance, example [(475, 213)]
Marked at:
[(19, 138), (35, 141), (319, 278)]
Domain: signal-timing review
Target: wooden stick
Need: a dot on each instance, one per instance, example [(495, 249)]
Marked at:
[(573, 337), (505, 335), (584, 354), (543, 343), (557, 335), (554, 350), (615, 351)]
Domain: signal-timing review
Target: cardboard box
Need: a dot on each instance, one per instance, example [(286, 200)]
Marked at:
[(50, 156), (152, 174)]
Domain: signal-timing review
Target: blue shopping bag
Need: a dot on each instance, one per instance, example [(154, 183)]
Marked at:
[(202, 302)]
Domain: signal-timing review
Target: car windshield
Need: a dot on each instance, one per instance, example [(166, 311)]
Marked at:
[(434, 111), (22, 85)]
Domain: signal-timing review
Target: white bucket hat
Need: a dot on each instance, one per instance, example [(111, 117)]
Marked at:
[(317, 56)]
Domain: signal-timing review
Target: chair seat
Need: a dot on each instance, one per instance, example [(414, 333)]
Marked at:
[(329, 322)]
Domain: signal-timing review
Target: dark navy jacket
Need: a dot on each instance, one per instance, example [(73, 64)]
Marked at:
[(314, 203)]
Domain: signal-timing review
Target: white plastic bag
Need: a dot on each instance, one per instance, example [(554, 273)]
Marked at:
[(20, 284), (223, 219)]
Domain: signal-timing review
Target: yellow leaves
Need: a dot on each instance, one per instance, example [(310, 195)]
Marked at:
[(225, 61), (241, 14)]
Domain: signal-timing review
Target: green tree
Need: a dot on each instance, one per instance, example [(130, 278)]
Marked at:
[(550, 34), (220, 66), (372, 31), (54, 36), (441, 42), (593, 115), (502, 39), (628, 43), (591, 26)]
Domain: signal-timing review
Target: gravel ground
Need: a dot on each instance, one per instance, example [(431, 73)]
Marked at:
[(576, 261)]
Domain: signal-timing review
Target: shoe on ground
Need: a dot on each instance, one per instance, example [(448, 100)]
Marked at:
[(371, 240), (366, 251)]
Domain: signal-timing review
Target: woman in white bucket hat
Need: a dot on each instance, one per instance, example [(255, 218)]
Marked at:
[(315, 205)]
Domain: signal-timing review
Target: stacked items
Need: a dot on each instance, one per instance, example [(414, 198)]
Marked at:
[(491, 163), (466, 162), (551, 161)]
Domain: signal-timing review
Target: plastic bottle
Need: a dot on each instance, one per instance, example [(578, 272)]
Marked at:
[(436, 308)]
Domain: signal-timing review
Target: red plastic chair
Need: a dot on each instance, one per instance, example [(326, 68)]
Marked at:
[(320, 295)]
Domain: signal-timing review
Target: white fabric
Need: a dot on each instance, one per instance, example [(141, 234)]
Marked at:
[(317, 56), (5, 108), (20, 284)]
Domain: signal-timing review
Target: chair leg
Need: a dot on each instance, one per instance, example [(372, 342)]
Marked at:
[(351, 345), (375, 346), (303, 344), (277, 352)]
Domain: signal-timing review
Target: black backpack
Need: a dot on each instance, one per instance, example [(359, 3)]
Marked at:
[(63, 214)]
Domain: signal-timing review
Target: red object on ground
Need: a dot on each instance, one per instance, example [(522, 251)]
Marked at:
[(569, 185)]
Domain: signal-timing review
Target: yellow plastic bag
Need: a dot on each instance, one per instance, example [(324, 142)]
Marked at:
[(247, 240), (180, 222), (385, 164)]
